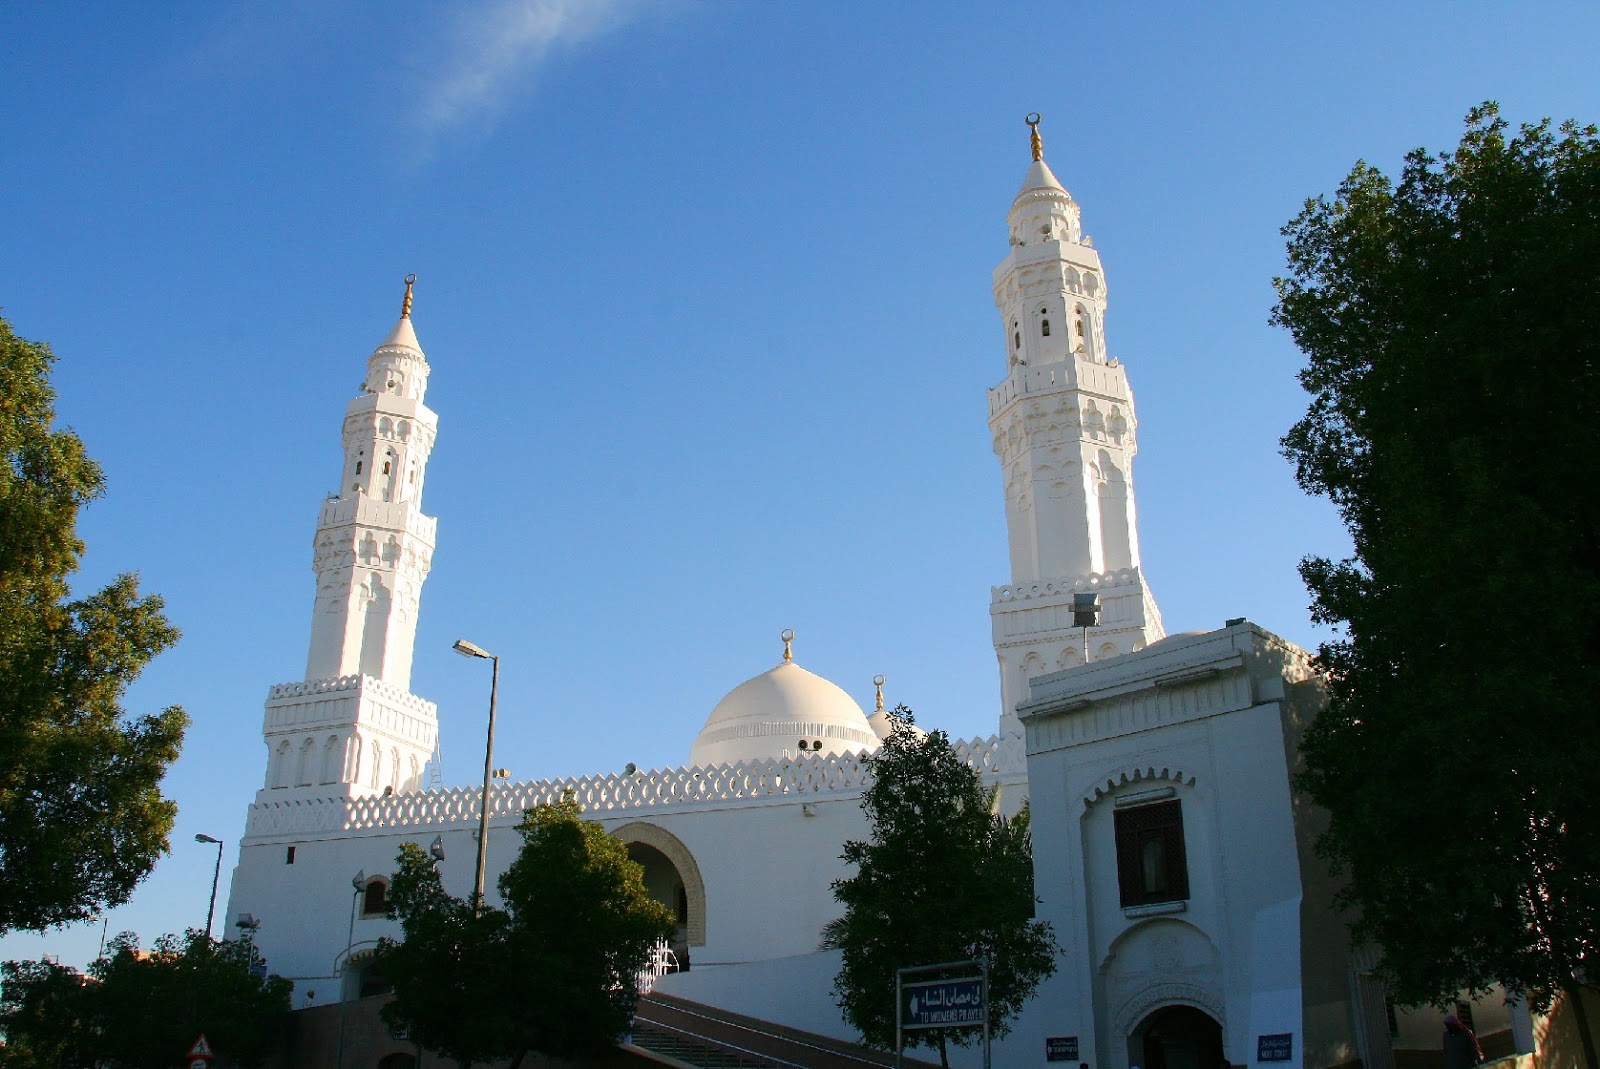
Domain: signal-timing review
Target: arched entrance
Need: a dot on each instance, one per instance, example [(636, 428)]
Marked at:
[(665, 884), (673, 878), (1176, 1037)]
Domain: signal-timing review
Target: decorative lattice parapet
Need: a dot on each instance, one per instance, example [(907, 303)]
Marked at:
[(1064, 586), (796, 780)]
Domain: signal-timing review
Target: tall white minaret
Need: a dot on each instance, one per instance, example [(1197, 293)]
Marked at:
[(1063, 429), (354, 725)]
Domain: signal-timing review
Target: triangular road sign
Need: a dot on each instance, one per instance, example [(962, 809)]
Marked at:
[(201, 1048)]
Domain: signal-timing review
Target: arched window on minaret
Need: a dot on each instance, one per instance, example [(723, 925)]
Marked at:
[(394, 768), (303, 771), (352, 767), (330, 760), (1115, 536), (280, 769), (377, 764), (1044, 327)]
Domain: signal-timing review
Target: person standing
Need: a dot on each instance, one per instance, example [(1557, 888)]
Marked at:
[(1461, 1050)]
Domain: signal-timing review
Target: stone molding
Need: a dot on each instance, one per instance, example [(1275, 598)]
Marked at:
[(1123, 580), (790, 781), (1168, 993), (358, 685), (1127, 776)]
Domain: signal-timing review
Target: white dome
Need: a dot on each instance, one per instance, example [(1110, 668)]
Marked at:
[(766, 718)]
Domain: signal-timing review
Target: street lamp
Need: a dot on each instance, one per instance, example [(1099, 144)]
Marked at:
[(216, 874), (359, 882), (468, 649)]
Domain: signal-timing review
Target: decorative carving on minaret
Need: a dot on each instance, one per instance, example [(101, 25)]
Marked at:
[(1062, 425)]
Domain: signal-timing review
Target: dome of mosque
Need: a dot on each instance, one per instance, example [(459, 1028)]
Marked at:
[(777, 714)]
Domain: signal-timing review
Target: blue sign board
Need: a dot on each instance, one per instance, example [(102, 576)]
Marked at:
[(1061, 1049), (943, 1003), (1277, 1047)]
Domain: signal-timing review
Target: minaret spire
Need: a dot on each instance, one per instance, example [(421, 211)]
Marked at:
[(411, 280), (1063, 429)]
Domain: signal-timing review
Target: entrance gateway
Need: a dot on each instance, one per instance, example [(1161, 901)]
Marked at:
[(1176, 1037)]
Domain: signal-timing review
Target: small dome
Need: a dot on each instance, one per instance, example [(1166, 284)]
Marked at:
[(884, 724), (768, 717)]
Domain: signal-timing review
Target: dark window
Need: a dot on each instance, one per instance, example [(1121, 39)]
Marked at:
[(1044, 327), (289, 859), (375, 899), (1464, 1015), (1151, 865), (358, 467)]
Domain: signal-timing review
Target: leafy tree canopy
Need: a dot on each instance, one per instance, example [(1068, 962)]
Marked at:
[(554, 971), (1451, 326), (82, 818), (143, 1010), (943, 878)]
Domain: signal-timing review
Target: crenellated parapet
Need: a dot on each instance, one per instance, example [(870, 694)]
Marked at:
[(790, 781)]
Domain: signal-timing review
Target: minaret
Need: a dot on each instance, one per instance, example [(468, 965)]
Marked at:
[(1063, 428), (354, 723)]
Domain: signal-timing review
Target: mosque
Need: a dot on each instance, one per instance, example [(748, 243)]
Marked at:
[(1172, 855)]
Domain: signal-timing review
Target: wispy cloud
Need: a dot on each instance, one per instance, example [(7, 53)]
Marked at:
[(499, 49)]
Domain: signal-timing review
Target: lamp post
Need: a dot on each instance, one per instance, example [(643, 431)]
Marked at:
[(216, 874), (359, 882), (468, 649)]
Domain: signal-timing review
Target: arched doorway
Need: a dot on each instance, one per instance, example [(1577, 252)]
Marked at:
[(1176, 1037), (665, 884)]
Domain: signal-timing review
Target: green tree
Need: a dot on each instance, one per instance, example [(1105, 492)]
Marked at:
[(1452, 329), (42, 1010), (148, 1008), (943, 878), (553, 972), (142, 1011), (82, 818)]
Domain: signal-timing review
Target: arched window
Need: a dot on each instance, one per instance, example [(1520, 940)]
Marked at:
[(358, 467), (375, 897), (1044, 327)]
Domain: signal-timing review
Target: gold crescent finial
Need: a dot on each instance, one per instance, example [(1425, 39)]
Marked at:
[(788, 641), (1038, 145), (878, 681), (405, 305)]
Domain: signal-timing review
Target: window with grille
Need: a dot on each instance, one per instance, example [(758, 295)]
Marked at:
[(1151, 864)]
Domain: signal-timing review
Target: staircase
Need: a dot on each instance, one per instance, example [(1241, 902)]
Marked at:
[(691, 1035)]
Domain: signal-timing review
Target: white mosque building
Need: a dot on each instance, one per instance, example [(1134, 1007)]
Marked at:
[(1171, 855)]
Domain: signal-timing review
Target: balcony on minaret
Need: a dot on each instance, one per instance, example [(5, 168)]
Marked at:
[(360, 510)]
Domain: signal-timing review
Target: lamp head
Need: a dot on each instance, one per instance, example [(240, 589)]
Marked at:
[(470, 649), (360, 880), (202, 837), (436, 848)]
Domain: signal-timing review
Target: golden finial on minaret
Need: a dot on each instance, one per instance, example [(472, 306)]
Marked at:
[(1038, 145), (878, 681), (405, 305), (788, 641)]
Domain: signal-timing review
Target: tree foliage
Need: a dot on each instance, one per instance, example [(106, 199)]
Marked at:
[(82, 818), (943, 878), (1451, 323), (554, 971), (143, 1010), (42, 1007)]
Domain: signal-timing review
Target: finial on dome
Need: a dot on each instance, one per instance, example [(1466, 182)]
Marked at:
[(1038, 145), (878, 681), (411, 280), (788, 641)]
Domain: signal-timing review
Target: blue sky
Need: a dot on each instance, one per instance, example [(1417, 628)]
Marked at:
[(705, 291)]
